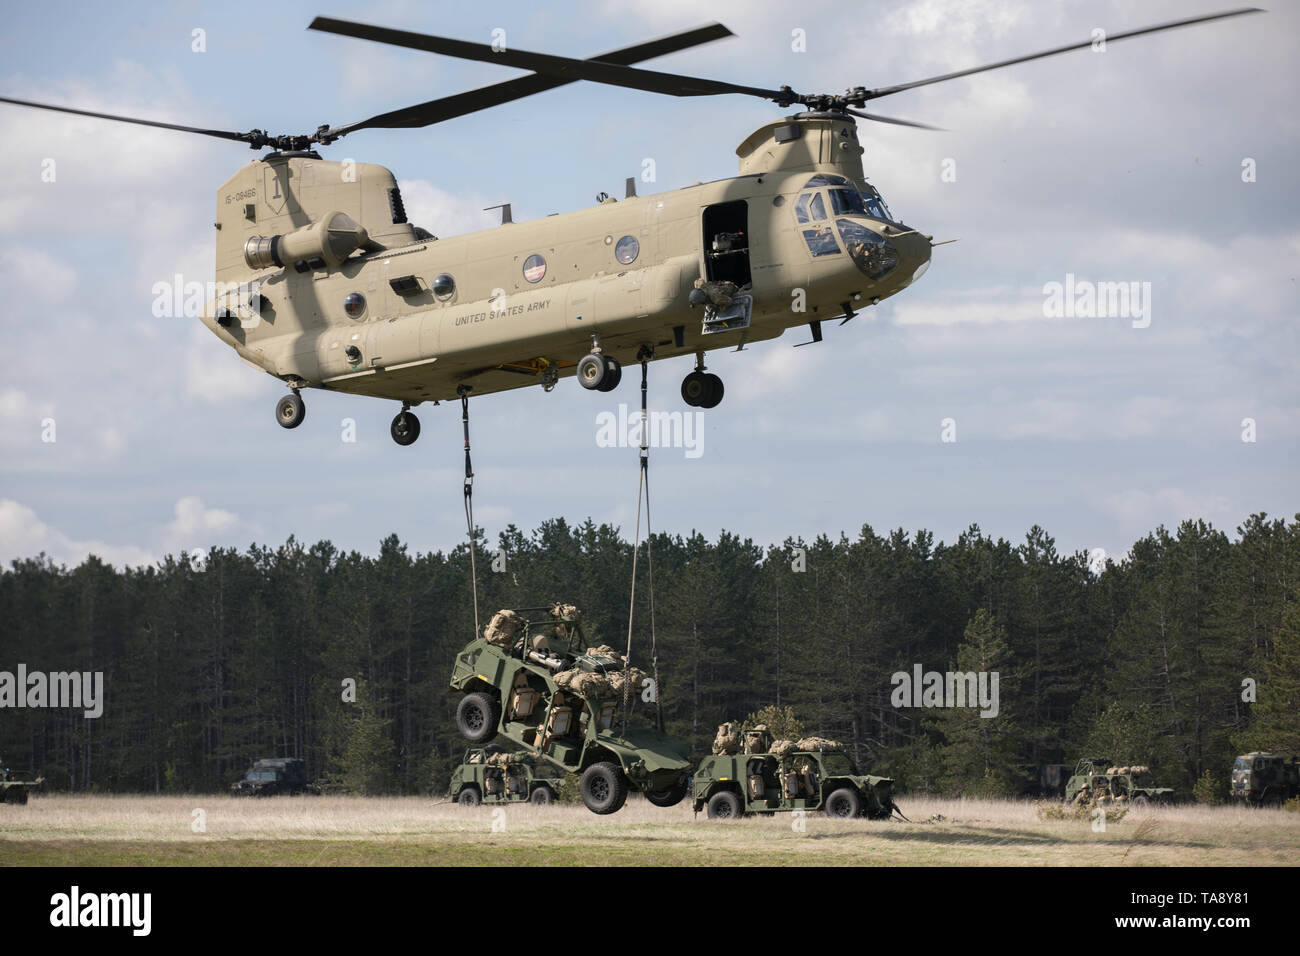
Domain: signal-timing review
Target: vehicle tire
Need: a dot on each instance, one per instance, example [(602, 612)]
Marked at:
[(695, 389), (469, 797), (405, 428), (593, 371), (715, 391), (671, 796), (613, 375), (724, 805), (477, 716), (603, 787), (542, 796), (290, 410), (843, 802), (1140, 803)]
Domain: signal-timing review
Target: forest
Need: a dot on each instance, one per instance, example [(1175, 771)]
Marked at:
[(1180, 655)]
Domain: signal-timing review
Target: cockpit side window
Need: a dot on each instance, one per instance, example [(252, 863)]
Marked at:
[(847, 202), (821, 241), (875, 203), (810, 208)]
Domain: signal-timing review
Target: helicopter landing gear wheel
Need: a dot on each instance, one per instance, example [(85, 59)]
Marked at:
[(596, 372), (613, 375), (702, 389), (290, 410), (715, 391), (405, 428)]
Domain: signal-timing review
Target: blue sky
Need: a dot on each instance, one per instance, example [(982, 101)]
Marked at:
[(1123, 165)]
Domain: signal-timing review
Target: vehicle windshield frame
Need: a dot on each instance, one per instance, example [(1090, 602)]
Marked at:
[(836, 762)]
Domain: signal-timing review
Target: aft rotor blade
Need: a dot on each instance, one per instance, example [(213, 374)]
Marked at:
[(219, 133), (888, 119), (1110, 38), (459, 104), (561, 67)]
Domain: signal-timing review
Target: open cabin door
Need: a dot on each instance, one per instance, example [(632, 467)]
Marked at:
[(726, 243)]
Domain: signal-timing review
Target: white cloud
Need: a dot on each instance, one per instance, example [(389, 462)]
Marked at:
[(215, 373), (1139, 511), (21, 419), (444, 213), (24, 535), (197, 525), (32, 276)]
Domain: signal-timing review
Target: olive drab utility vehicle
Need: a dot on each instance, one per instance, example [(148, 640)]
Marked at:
[(491, 775), (272, 776), (322, 282), (769, 776), (1098, 780), (13, 788), (1260, 778), (532, 680)]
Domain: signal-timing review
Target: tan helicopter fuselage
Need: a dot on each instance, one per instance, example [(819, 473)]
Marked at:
[(374, 313)]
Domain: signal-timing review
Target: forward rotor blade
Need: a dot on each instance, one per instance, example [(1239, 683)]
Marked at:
[(449, 107), (219, 133), (1110, 38), (561, 67), (887, 119)]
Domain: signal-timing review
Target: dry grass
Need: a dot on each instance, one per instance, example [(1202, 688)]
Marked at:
[(56, 829)]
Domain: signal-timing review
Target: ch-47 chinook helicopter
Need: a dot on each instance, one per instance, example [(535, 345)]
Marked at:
[(323, 283)]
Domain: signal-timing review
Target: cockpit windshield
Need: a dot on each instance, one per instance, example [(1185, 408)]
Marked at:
[(847, 198), (875, 204)]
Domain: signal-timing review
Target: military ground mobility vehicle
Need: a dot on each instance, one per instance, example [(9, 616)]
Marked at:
[(275, 775), (491, 775), (531, 679), (13, 788), (764, 775), (1260, 778), (1098, 780)]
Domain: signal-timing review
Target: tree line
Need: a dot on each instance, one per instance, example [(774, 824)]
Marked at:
[(1180, 655)]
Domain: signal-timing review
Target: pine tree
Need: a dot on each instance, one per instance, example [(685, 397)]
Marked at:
[(1276, 715), (977, 754)]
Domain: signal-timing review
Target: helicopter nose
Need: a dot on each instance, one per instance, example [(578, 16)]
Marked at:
[(913, 255)]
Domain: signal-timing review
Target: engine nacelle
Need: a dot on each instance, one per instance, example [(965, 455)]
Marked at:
[(317, 245)]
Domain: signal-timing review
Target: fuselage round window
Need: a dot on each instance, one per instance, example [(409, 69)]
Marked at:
[(627, 250), (534, 268), (444, 287), (354, 304)]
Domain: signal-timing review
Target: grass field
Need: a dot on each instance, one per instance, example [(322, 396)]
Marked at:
[(342, 831)]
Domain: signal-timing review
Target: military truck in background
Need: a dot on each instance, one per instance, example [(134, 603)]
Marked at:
[(763, 775), (1098, 780), (531, 679), (491, 775), (272, 776), (13, 788), (1260, 778)]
